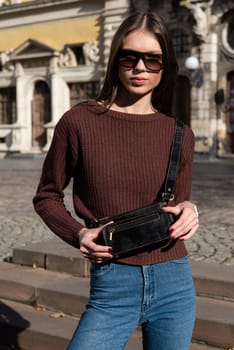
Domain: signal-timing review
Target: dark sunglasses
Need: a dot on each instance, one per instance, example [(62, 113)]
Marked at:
[(130, 58)]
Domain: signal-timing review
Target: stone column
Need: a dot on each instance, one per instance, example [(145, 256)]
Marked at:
[(21, 134), (204, 109), (114, 13), (60, 103)]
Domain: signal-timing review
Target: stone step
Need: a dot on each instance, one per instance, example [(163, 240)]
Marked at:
[(54, 255), (68, 294), (23, 327), (53, 290), (211, 279), (215, 322)]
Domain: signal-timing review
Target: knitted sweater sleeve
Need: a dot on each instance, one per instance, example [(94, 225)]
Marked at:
[(58, 168)]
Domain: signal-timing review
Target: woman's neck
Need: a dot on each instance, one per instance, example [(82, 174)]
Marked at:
[(141, 105)]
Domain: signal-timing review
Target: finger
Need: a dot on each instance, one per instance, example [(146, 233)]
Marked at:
[(173, 210), (185, 233), (180, 228), (187, 217), (189, 234), (99, 259), (97, 255), (183, 227), (101, 255), (95, 250), (189, 209)]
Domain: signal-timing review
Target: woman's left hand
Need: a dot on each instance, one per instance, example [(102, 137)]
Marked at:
[(187, 223)]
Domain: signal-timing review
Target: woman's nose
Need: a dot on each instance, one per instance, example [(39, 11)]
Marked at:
[(140, 65)]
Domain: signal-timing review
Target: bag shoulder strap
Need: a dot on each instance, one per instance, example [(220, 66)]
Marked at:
[(168, 188)]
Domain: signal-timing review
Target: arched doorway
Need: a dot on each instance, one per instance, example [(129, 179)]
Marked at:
[(182, 99), (41, 113), (230, 110)]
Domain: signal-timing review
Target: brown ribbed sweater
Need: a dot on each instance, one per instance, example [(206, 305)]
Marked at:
[(118, 162)]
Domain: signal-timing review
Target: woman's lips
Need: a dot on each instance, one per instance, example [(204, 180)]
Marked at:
[(138, 81)]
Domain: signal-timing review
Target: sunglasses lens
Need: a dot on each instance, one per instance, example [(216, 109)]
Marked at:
[(153, 62), (128, 61)]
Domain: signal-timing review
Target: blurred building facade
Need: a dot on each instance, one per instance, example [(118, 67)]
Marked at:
[(53, 53)]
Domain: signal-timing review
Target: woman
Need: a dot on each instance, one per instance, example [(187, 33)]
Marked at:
[(117, 149)]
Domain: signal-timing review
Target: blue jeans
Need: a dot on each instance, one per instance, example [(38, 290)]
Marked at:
[(159, 297)]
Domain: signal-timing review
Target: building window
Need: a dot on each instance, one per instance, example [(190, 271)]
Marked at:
[(227, 34), (181, 41), (76, 50), (7, 105), (231, 101), (41, 113), (79, 91), (230, 33)]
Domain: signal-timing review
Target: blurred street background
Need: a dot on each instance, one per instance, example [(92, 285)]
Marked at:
[(212, 191)]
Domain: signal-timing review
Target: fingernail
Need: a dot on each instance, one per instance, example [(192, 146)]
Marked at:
[(110, 250), (115, 257), (171, 230)]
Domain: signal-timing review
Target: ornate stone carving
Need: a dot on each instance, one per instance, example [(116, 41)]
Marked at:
[(67, 58), (199, 11), (91, 52), (19, 70), (5, 61)]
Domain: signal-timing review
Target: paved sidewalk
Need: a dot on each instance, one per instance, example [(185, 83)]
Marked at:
[(213, 190)]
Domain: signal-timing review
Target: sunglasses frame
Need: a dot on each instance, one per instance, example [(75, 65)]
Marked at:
[(139, 55)]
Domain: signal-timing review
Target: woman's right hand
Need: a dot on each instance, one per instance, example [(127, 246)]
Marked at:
[(90, 250)]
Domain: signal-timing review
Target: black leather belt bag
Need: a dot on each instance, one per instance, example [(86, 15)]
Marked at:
[(136, 229)]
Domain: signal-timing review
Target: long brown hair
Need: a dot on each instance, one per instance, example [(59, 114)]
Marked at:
[(163, 94)]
